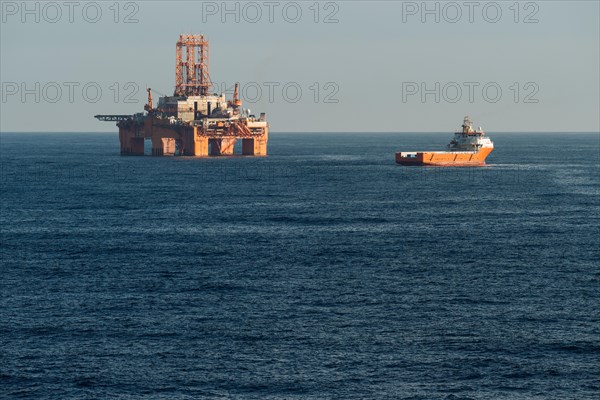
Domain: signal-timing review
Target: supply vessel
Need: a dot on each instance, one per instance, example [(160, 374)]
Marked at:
[(194, 121), (469, 147)]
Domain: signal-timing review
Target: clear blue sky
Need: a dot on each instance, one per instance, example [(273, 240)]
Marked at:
[(375, 61)]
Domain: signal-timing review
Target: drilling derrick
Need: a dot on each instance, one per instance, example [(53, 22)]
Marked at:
[(191, 75), (192, 122)]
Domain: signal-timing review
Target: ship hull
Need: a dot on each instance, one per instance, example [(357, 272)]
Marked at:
[(444, 158)]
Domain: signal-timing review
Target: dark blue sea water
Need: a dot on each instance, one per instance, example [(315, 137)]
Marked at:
[(323, 271)]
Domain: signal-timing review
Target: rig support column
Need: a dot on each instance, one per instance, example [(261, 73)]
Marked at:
[(157, 146), (194, 144), (221, 147), (169, 146), (256, 146), (131, 144), (227, 146), (200, 146), (137, 146)]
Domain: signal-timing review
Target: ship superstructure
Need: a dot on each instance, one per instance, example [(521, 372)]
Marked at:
[(192, 122), (469, 147)]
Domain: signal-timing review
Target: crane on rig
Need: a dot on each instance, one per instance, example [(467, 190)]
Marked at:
[(149, 106)]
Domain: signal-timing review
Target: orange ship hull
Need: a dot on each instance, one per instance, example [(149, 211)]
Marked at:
[(444, 158)]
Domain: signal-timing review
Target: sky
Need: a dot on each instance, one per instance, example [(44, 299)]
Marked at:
[(332, 66)]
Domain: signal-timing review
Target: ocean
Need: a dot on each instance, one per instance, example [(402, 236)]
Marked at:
[(323, 271)]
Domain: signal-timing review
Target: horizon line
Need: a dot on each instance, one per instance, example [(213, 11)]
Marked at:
[(332, 132)]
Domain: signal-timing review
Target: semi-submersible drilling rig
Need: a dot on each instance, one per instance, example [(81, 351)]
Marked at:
[(192, 122)]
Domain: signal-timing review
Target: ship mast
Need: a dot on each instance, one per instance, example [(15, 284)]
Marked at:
[(467, 126)]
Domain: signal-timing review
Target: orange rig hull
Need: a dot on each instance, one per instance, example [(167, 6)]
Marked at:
[(444, 158)]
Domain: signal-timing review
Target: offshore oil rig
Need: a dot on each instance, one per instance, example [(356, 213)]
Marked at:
[(192, 122)]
